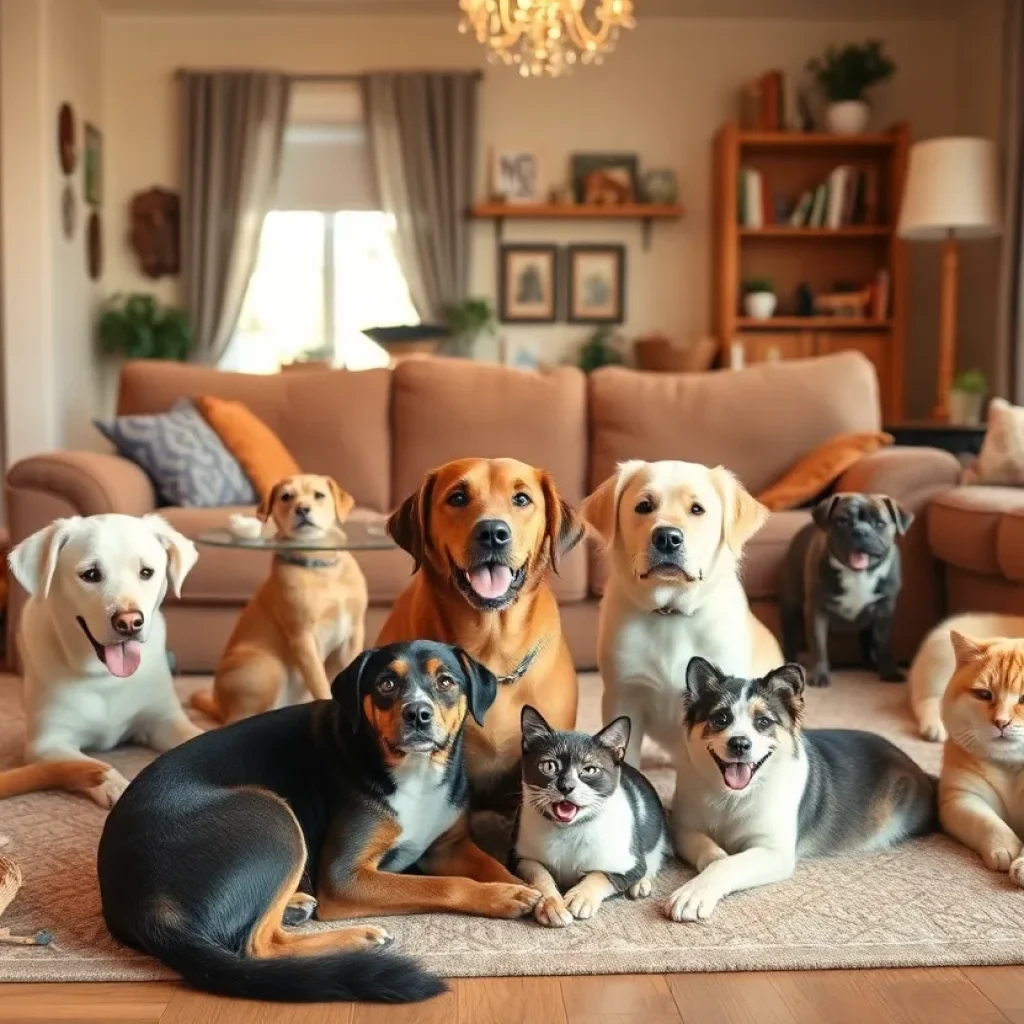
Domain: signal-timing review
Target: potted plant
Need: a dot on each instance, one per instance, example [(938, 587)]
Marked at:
[(467, 322), (600, 349), (139, 327), (966, 398), (844, 76), (759, 299)]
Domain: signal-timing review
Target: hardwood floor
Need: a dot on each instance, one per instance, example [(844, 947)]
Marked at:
[(970, 995)]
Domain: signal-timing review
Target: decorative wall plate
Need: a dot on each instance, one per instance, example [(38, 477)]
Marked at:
[(94, 246), (68, 210), (67, 146)]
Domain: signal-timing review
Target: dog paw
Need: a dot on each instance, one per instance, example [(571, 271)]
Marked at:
[(509, 900), (299, 910), (580, 902), (693, 901), (640, 890), (1017, 872), (552, 912), (372, 937), (934, 732), (818, 677), (893, 675), (109, 791), (998, 858)]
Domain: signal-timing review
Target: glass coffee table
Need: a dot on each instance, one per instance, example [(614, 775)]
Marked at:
[(352, 537)]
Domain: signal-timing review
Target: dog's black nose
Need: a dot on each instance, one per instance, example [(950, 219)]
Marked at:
[(127, 623), (302, 510), (667, 539), (418, 715), (493, 534), (739, 745)]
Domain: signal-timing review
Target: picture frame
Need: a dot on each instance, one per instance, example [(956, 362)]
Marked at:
[(514, 177), (604, 179), (597, 284), (93, 164), (527, 283)]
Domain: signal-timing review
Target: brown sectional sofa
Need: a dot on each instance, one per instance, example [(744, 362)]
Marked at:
[(378, 431)]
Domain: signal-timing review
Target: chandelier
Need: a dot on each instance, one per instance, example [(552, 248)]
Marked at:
[(546, 37)]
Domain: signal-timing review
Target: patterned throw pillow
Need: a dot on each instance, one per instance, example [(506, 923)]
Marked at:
[(183, 455), (1001, 460)]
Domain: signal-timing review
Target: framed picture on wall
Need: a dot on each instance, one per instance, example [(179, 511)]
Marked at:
[(527, 284), (93, 166), (597, 284), (514, 177)]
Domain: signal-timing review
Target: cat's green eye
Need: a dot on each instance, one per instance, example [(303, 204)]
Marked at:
[(589, 770), (548, 767), (985, 695)]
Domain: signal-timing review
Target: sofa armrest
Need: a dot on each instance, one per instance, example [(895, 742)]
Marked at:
[(913, 476), (88, 483)]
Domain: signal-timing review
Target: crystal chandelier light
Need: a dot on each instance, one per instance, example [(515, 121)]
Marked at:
[(546, 37)]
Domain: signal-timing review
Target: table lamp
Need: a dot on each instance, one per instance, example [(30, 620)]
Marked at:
[(950, 193)]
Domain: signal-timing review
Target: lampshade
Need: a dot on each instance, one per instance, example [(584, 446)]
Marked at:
[(951, 187)]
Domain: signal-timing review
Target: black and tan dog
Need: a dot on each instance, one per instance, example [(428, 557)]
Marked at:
[(842, 573), (202, 860)]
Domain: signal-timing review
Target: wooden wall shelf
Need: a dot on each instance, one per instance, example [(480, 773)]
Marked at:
[(810, 141), (645, 213), (812, 323), (851, 231)]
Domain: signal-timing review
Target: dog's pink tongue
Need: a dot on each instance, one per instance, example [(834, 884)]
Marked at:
[(738, 776), (858, 560), (490, 581), (123, 659)]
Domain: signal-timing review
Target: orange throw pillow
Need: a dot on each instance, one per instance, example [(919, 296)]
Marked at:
[(819, 468), (260, 453)]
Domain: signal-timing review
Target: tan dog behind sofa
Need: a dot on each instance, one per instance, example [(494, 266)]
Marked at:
[(311, 610)]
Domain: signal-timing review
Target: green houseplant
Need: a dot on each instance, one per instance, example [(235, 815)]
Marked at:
[(844, 77), (967, 398), (140, 327), (759, 299), (467, 322), (600, 349)]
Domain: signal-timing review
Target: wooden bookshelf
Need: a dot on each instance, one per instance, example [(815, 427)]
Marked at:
[(791, 163), (644, 213)]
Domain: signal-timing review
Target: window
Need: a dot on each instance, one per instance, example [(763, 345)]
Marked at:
[(326, 268)]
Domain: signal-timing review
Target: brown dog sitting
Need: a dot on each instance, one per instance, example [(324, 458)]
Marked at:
[(310, 610), (483, 534)]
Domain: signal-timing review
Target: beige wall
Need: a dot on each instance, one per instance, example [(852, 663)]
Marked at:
[(51, 53), (663, 94)]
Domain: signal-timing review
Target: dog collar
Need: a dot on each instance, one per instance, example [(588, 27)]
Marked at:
[(306, 563), (521, 669)]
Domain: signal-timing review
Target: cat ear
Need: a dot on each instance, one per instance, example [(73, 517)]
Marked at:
[(701, 675), (966, 648), (533, 725), (615, 737)]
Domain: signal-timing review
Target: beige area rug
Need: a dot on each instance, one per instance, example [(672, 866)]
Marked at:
[(929, 902)]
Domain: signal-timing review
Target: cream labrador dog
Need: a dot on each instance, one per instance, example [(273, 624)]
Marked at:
[(673, 534), (93, 642)]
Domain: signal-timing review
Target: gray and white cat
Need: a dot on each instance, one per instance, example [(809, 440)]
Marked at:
[(590, 825)]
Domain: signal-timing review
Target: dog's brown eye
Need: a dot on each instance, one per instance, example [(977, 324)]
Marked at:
[(985, 695), (319, 495), (145, 573), (548, 767), (458, 499), (286, 497), (720, 719), (91, 575), (643, 507), (386, 684), (696, 509), (445, 683), (521, 499), (763, 722)]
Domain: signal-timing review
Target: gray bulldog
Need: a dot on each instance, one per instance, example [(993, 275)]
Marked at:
[(842, 572)]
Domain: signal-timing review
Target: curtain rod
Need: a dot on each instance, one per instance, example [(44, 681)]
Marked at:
[(477, 75)]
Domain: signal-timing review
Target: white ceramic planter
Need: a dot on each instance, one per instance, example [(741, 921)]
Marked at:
[(965, 408), (847, 118), (760, 305)]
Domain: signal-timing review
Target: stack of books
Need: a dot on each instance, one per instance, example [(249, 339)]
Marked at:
[(849, 195), (763, 103)]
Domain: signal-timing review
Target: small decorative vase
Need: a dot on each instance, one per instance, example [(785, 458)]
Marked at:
[(850, 117), (660, 186), (965, 408), (760, 305)]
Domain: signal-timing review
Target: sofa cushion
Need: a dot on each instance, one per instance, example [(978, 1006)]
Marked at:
[(229, 576), (711, 417), (1010, 545), (965, 527), (446, 409), (335, 422)]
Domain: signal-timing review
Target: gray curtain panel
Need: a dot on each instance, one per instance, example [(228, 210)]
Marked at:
[(422, 129), (1010, 335), (232, 131)]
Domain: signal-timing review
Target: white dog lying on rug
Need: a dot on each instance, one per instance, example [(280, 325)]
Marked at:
[(93, 642)]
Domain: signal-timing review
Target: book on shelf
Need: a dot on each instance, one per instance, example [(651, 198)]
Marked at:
[(848, 196), (763, 103)]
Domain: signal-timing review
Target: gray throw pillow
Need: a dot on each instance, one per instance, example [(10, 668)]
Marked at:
[(185, 459)]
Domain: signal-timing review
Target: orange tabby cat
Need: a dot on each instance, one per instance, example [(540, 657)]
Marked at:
[(981, 788)]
